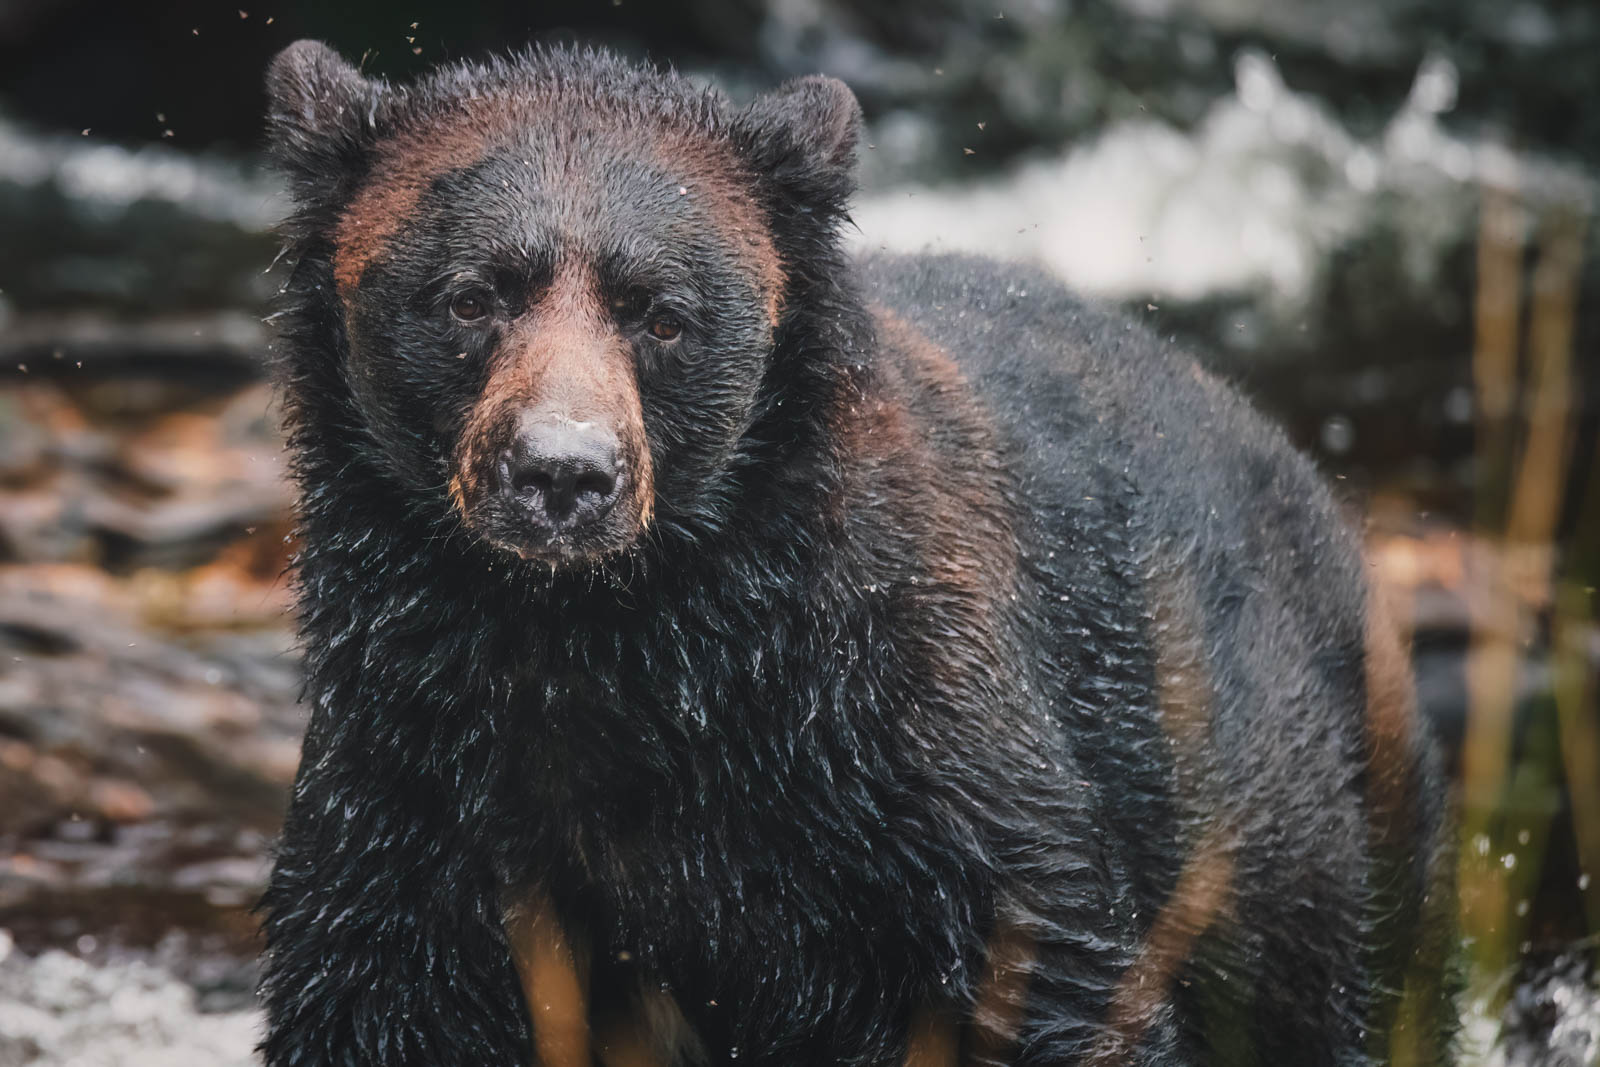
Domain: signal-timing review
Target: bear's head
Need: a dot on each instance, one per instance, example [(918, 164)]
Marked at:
[(555, 284)]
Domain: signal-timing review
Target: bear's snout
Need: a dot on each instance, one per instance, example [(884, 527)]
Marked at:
[(562, 474), (553, 462)]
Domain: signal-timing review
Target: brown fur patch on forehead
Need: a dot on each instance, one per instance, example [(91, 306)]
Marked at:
[(407, 165), (711, 170), (430, 147)]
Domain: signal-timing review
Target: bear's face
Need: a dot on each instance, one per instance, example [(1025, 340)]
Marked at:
[(559, 310), (562, 330)]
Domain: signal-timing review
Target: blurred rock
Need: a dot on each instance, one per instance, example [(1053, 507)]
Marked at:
[(91, 224), (1333, 275), (199, 352), (129, 473), (1552, 1019), (60, 1011), (1260, 198), (145, 751), (1049, 72)]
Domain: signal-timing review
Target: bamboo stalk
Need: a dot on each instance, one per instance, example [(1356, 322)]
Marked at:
[(1520, 581)]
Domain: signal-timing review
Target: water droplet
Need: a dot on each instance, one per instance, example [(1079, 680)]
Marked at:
[(1338, 434)]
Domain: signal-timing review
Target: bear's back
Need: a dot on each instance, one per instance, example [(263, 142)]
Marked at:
[(1115, 435), (1143, 480), (1208, 608)]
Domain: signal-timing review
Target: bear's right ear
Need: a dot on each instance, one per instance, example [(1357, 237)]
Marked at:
[(322, 116)]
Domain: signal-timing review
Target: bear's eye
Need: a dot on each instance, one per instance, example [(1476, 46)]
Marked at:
[(665, 328), (469, 307)]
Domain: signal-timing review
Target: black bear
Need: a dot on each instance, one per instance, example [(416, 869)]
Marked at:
[(720, 648)]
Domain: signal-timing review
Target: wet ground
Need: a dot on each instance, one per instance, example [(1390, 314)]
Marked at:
[(148, 717)]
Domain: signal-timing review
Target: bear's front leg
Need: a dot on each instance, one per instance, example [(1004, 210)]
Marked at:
[(385, 942)]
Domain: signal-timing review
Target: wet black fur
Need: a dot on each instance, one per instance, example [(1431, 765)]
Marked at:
[(769, 755)]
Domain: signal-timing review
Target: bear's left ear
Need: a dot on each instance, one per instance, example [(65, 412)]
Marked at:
[(322, 116), (802, 138)]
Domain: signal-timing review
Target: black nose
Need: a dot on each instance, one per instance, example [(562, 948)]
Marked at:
[(565, 473)]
